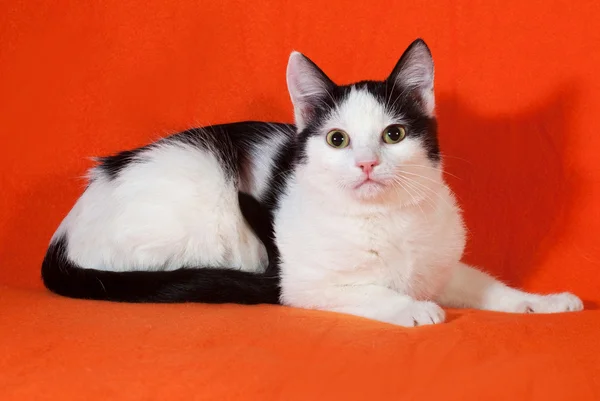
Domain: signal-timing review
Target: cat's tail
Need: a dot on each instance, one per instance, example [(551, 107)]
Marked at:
[(183, 285), (208, 285)]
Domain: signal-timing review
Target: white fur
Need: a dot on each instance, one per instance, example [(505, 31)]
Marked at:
[(471, 288), (175, 209), (388, 251)]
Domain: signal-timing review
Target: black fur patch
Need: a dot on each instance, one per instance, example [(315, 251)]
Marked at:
[(260, 219), (228, 142), (113, 165), (214, 139), (284, 165)]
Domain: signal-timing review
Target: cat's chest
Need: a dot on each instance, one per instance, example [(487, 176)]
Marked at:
[(388, 239), (378, 241), (400, 251)]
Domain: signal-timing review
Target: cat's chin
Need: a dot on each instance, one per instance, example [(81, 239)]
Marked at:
[(369, 190), (384, 193)]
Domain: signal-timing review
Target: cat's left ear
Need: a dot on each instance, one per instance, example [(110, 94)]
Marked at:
[(414, 73), (308, 87)]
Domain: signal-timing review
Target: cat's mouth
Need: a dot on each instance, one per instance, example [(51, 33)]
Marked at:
[(368, 182)]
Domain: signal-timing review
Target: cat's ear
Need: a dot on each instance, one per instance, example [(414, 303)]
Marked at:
[(414, 73), (308, 87)]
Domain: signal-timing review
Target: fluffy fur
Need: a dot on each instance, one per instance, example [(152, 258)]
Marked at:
[(387, 248), (255, 212), (179, 220)]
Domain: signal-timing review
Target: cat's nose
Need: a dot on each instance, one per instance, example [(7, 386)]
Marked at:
[(367, 166)]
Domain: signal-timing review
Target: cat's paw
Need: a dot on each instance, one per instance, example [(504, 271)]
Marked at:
[(420, 313), (553, 303)]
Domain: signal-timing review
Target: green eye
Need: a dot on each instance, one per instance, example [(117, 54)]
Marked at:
[(338, 139), (394, 134)]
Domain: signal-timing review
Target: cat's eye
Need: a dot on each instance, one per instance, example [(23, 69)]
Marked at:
[(338, 139), (394, 134)]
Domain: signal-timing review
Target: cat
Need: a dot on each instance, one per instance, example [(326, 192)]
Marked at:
[(182, 219), (347, 211)]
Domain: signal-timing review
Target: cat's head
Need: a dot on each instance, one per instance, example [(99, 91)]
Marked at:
[(372, 139)]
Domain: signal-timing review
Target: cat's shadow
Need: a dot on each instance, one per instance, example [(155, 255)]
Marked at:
[(509, 174)]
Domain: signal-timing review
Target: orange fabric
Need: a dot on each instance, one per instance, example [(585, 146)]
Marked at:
[(62, 349), (518, 102)]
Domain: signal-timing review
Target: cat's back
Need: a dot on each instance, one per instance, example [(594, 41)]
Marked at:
[(244, 151), (175, 202)]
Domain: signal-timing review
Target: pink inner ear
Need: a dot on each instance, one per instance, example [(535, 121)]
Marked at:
[(306, 85), (415, 70), (418, 71)]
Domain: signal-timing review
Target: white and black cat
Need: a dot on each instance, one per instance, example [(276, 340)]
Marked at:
[(346, 211)]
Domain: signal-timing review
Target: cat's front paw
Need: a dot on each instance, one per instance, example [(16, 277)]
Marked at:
[(553, 303), (420, 313)]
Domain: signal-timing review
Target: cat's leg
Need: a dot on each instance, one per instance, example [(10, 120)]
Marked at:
[(472, 288), (369, 301)]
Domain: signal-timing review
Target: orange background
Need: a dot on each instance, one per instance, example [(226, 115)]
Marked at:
[(518, 90)]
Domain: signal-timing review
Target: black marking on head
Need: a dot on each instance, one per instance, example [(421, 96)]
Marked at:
[(403, 103), (399, 102), (404, 94)]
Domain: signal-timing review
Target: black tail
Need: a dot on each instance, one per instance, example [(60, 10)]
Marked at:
[(206, 285)]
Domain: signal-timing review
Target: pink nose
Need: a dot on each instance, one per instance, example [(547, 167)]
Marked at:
[(367, 166)]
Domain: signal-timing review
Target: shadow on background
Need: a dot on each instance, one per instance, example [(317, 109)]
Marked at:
[(509, 175)]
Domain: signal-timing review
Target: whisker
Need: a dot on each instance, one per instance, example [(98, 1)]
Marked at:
[(425, 187), (416, 202), (427, 178), (432, 168), (445, 156), (422, 193), (421, 176)]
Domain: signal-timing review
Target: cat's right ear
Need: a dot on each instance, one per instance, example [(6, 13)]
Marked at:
[(414, 74), (308, 87)]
